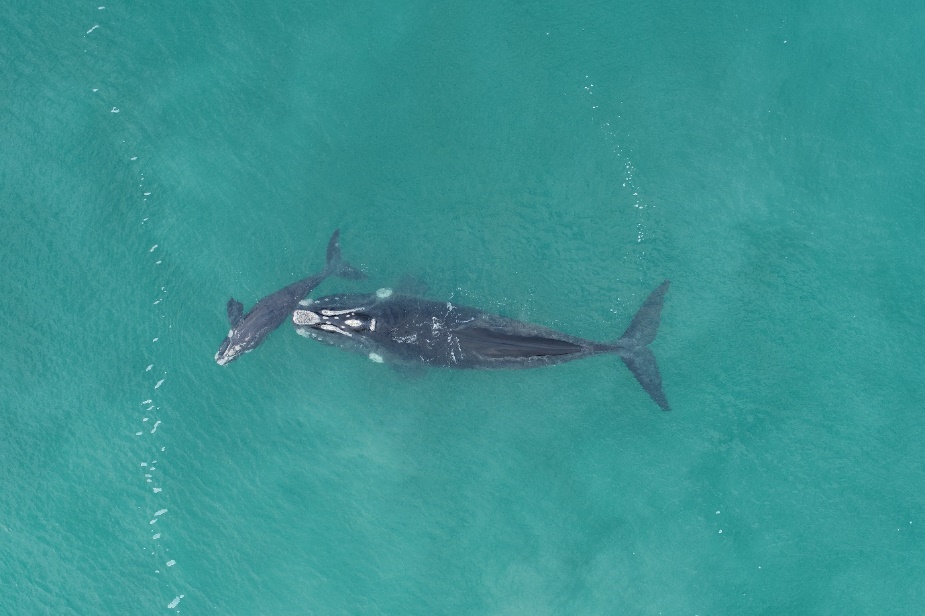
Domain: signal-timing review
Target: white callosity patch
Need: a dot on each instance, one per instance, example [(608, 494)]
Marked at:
[(376, 357), (354, 323), (305, 302), (305, 317), (333, 328), (334, 313)]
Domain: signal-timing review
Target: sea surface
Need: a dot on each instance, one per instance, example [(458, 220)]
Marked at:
[(552, 162)]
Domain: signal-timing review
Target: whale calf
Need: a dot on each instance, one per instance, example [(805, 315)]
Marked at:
[(411, 331), (249, 330)]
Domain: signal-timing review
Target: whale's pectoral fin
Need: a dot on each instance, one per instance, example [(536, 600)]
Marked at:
[(235, 311)]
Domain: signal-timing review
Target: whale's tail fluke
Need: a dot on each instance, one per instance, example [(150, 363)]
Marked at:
[(336, 266), (633, 348)]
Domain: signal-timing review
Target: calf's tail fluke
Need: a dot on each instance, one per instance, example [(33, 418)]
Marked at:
[(336, 266), (633, 345)]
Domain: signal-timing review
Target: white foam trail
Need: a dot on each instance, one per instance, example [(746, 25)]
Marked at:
[(148, 369), (175, 602), (147, 402), (93, 28), (156, 424), (156, 536), (160, 512), (159, 383), (152, 248), (171, 563)]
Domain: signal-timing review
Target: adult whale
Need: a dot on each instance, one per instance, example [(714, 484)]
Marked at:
[(412, 331), (249, 330)]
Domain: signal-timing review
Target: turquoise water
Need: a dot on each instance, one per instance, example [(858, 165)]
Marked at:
[(550, 162)]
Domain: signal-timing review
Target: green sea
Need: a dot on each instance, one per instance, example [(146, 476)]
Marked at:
[(551, 162)]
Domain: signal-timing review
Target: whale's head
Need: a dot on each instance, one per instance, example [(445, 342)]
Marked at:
[(233, 346), (347, 322)]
